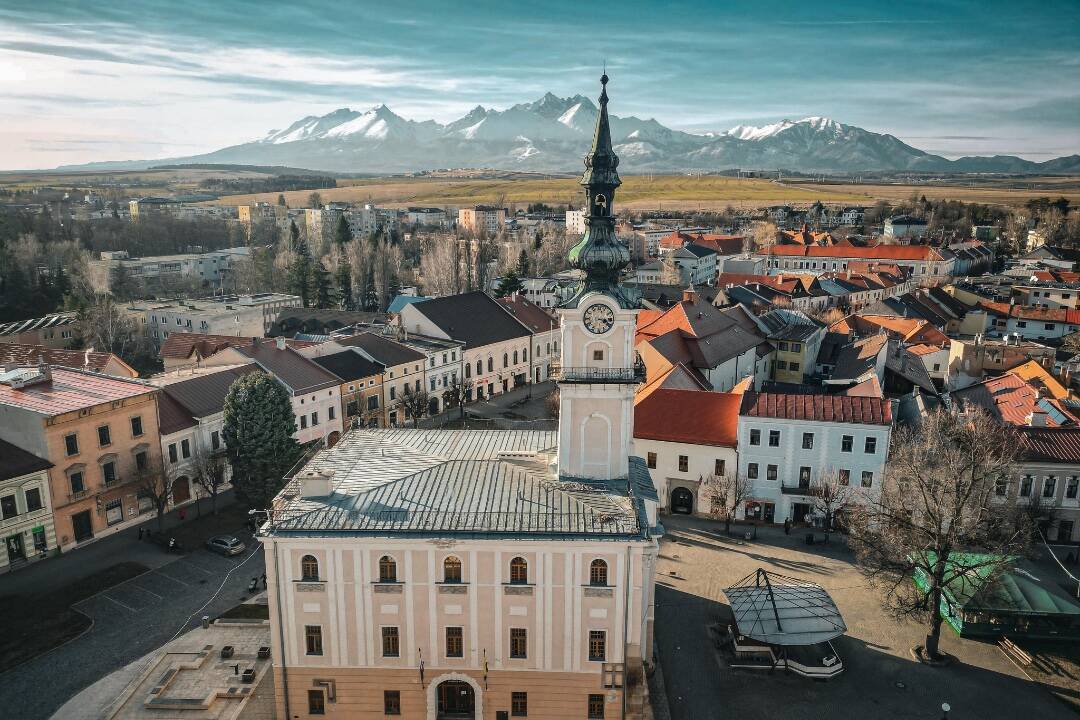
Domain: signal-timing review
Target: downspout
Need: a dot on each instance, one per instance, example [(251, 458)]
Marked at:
[(626, 631), (281, 633)]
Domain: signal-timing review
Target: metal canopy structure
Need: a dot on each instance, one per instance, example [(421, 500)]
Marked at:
[(783, 610)]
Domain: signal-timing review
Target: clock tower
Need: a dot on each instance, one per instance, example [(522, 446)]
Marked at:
[(599, 372)]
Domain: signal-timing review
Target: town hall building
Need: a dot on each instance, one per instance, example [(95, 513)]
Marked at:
[(482, 574)]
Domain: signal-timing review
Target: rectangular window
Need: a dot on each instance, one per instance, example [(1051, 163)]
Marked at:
[(1001, 486), (303, 422), (373, 403), (71, 444), (867, 478), (518, 643), (141, 462), (783, 346), (185, 448), (1065, 530), (755, 437), (33, 499), (751, 471), (774, 438), (794, 367), (316, 702), (393, 393), (215, 440), (108, 471), (313, 639), (651, 459), (391, 700), (844, 476), (173, 457), (1025, 486), (796, 347), (8, 507), (597, 645), (1049, 486), (781, 364), (76, 480), (136, 427), (804, 476), (454, 643), (596, 707), (719, 467), (1071, 487), (330, 412), (808, 441), (390, 645), (870, 446), (519, 704), (684, 463), (104, 436), (846, 442), (598, 355), (314, 419), (770, 472)]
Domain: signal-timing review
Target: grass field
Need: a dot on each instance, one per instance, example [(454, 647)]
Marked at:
[(670, 192)]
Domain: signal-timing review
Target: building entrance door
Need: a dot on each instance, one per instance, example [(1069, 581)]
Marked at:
[(770, 512), (82, 526), (798, 512), (16, 550), (456, 701), (682, 501)]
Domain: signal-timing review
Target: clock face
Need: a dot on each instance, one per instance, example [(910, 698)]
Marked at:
[(599, 318)]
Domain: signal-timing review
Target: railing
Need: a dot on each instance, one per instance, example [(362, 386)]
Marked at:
[(808, 490), (634, 374)]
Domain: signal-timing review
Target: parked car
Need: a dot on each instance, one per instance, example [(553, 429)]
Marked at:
[(225, 544)]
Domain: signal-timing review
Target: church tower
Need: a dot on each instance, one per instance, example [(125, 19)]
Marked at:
[(599, 373)]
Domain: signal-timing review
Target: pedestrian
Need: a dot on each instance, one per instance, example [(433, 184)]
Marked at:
[(264, 580), (140, 533), (787, 526)]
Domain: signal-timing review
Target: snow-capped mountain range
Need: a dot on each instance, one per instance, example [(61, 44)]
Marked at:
[(552, 134)]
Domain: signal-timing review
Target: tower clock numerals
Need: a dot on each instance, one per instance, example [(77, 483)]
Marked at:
[(599, 318)]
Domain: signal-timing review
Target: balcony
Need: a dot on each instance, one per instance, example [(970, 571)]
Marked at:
[(599, 375), (806, 489)]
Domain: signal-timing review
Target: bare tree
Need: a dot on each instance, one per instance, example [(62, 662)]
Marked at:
[(457, 394), (157, 486), (764, 234), (725, 493), (210, 474), (440, 266), (552, 403), (415, 404), (105, 327), (938, 497), (832, 495)]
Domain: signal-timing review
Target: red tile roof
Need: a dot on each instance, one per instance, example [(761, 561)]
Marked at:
[(20, 354), (1010, 399), (1043, 444), (71, 390), (818, 408), (529, 313), (1067, 316), (180, 345), (873, 252), (696, 417), (722, 244)]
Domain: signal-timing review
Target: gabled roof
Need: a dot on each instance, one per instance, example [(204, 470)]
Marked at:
[(474, 318), (402, 300), (695, 417), (204, 395), (818, 408), (856, 359), (183, 345), (1011, 400), (1045, 444), (40, 323), (349, 365), (297, 372), (697, 333), (784, 324), (70, 390), (22, 354), (1040, 377), (871, 252), (16, 462), (910, 330), (529, 314), (172, 416), (384, 350), (1068, 316)]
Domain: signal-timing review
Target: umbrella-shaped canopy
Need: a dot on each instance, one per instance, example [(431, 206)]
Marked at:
[(784, 610)]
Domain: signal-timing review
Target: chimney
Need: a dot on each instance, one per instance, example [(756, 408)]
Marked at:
[(690, 295), (314, 484), (281, 342), (86, 359), (254, 342)]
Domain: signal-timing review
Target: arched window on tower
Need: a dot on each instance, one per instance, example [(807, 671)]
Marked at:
[(387, 569), (519, 571), (598, 573), (451, 570), (309, 568)]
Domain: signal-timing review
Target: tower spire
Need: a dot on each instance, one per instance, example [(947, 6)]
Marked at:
[(600, 254)]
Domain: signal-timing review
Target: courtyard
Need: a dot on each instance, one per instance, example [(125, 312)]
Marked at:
[(881, 680)]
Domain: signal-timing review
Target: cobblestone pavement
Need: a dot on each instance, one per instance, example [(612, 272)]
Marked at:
[(130, 619), (880, 679)]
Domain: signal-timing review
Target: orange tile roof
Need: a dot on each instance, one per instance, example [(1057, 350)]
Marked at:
[(911, 330), (805, 236), (1011, 399), (722, 244), (921, 350), (1037, 375), (1067, 316), (695, 417), (873, 252), (819, 408)]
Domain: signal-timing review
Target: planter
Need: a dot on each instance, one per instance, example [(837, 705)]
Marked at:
[(248, 676), (264, 652), (227, 652)]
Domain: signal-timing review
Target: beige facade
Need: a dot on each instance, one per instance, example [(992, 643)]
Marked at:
[(482, 218), (26, 523)]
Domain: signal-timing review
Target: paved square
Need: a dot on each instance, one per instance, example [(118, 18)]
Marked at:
[(880, 679)]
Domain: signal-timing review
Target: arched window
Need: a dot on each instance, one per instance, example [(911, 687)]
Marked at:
[(479, 368), (309, 568), (506, 360), (598, 573), (468, 371), (515, 357), (491, 364), (519, 571), (525, 354), (387, 569), (537, 351), (451, 570)]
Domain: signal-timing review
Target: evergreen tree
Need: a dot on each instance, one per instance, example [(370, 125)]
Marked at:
[(509, 284), (523, 264), (121, 284), (343, 278), (300, 274), (320, 282), (258, 432), (294, 235), (281, 199), (342, 233)]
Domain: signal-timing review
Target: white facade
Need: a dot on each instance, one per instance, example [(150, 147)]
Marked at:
[(211, 268), (773, 458), (677, 466), (575, 222), (26, 521), (238, 316)]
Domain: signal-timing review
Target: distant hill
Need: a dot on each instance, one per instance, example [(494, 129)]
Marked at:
[(552, 134)]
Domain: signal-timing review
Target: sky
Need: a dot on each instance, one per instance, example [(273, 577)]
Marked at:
[(87, 80)]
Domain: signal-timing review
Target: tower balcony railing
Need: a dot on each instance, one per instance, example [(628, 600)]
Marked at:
[(598, 375)]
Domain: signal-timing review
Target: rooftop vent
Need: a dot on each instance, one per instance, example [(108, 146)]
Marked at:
[(314, 484)]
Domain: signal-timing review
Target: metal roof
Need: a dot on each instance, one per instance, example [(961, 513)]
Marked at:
[(784, 610), (473, 482)]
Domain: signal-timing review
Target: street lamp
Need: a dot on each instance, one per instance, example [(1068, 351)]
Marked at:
[(945, 711)]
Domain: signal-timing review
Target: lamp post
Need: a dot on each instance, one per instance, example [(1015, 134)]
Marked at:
[(945, 708)]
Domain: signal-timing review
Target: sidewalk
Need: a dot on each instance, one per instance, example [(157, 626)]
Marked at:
[(56, 572), (500, 407)]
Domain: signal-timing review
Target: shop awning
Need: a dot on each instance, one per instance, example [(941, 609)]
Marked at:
[(783, 610)]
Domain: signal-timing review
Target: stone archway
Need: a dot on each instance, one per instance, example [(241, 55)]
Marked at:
[(433, 694)]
